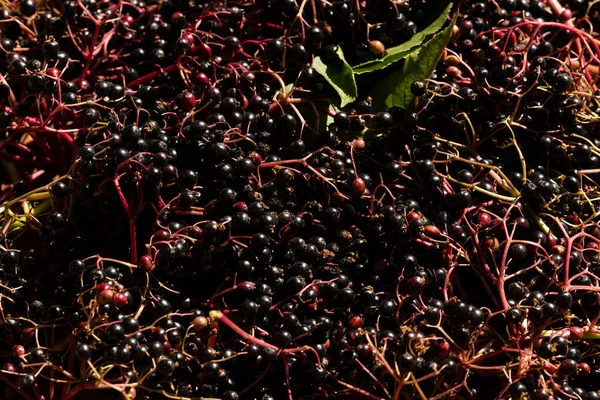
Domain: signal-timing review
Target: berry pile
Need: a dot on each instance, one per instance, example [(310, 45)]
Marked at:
[(188, 211)]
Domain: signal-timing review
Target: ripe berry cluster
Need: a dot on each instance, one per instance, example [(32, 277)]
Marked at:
[(184, 216)]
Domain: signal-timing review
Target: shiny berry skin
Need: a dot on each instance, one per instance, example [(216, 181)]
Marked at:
[(18, 350), (564, 300), (571, 183), (514, 315), (83, 351), (120, 300), (330, 56), (282, 339), (407, 362), (26, 381), (27, 7), (17, 67), (50, 49), (517, 389), (36, 83), (59, 189), (568, 367), (418, 88), (341, 120), (204, 51), (484, 219), (287, 123), (377, 48), (562, 82), (463, 198), (186, 101), (384, 120), (314, 36), (105, 297), (275, 48), (298, 54), (232, 42), (518, 251), (358, 186), (230, 395), (202, 80), (146, 263)]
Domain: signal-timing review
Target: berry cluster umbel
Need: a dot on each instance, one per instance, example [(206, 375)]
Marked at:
[(184, 215)]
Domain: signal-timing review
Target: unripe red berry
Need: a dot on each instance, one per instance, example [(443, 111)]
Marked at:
[(162, 235), (412, 216), (204, 51), (8, 367), (28, 333), (558, 249), (187, 101), (453, 72), (102, 287), (246, 286), (355, 322), (255, 157), (566, 15), (189, 37), (196, 232), (576, 333), (443, 347), (176, 15), (358, 186), (551, 240), (377, 48), (432, 231), (53, 72), (491, 243), (550, 368), (358, 144), (105, 297), (337, 199), (146, 263), (120, 300), (18, 350), (200, 323), (240, 206), (415, 283), (202, 80), (128, 20), (484, 219), (583, 369)]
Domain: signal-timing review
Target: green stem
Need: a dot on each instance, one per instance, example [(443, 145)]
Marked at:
[(43, 207), (585, 335)]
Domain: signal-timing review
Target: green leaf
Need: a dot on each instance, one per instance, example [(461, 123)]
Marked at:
[(315, 114), (11, 170), (340, 77), (394, 91), (315, 109), (397, 53), (327, 119)]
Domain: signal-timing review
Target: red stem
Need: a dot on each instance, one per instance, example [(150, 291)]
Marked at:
[(359, 391), (223, 318), (15, 388), (133, 240), (151, 75)]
